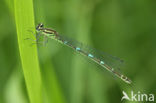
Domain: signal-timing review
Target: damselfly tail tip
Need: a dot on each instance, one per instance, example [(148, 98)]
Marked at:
[(126, 79)]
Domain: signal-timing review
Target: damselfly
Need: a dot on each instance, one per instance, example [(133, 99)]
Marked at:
[(107, 62)]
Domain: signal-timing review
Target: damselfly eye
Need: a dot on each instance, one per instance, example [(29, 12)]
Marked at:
[(41, 25)]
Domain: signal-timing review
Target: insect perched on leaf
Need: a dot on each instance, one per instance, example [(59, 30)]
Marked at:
[(106, 61)]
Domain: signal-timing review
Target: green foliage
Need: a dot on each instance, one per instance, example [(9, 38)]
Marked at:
[(24, 19)]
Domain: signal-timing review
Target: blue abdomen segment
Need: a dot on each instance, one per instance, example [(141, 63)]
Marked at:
[(102, 62), (90, 55), (78, 49)]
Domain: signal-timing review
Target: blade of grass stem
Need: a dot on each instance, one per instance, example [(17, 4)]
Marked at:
[(24, 19)]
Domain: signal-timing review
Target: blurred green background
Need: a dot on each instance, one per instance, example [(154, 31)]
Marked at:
[(123, 28)]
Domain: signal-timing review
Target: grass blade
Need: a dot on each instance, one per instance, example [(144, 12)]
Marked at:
[(24, 19)]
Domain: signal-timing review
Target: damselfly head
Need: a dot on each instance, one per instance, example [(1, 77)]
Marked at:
[(39, 26)]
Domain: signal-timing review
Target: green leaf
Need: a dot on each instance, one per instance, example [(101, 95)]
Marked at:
[(24, 19)]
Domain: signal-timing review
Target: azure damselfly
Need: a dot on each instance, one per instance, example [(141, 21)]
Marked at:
[(106, 61)]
